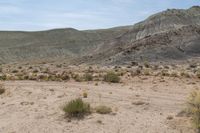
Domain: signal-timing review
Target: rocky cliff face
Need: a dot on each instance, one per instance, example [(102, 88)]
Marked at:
[(170, 35)]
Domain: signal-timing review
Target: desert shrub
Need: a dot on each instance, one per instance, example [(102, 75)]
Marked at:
[(77, 78), (30, 67), (147, 72), (185, 74), (174, 74), (59, 65), (2, 89), (85, 94), (112, 77), (32, 77), (3, 77), (42, 77), (76, 108), (35, 71), (46, 70), (103, 109), (87, 77), (146, 64), (65, 77), (194, 108), (1, 69), (25, 77), (198, 73), (165, 73), (15, 71), (135, 72)]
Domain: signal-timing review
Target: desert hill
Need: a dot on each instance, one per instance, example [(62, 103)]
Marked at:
[(170, 35)]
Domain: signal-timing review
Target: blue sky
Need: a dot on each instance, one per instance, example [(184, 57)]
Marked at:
[(31, 15)]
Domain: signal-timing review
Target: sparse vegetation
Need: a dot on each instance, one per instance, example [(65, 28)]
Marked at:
[(3, 77), (194, 108), (15, 71), (147, 72), (112, 77), (85, 94), (35, 71), (2, 89), (198, 73), (185, 74), (77, 108), (87, 77), (77, 78), (103, 109)]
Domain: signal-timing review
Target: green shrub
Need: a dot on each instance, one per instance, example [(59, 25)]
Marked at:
[(87, 77), (76, 108), (194, 108), (111, 77), (103, 109)]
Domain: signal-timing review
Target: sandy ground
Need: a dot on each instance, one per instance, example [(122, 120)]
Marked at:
[(35, 107)]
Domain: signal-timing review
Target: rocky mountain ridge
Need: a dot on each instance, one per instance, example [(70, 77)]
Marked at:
[(169, 35)]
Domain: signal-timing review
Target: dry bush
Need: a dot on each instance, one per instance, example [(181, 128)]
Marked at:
[(185, 74), (35, 71), (146, 64), (198, 73), (135, 72), (85, 94), (112, 77), (76, 108), (103, 109), (15, 71), (2, 89), (147, 72), (174, 74), (3, 77), (165, 73), (87, 77), (194, 108), (77, 78)]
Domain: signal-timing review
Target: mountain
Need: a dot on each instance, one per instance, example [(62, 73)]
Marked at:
[(170, 35)]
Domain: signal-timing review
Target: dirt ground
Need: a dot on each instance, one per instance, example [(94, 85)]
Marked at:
[(140, 105)]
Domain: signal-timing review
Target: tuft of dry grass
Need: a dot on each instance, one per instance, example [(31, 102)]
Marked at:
[(77, 108), (102, 109), (112, 77), (194, 108), (2, 89)]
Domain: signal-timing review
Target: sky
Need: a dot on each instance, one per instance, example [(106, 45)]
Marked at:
[(33, 15)]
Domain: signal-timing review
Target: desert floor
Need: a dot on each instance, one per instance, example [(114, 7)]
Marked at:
[(140, 105)]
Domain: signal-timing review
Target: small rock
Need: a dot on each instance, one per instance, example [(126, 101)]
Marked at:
[(170, 117)]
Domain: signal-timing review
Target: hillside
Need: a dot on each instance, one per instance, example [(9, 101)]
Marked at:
[(173, 34)]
